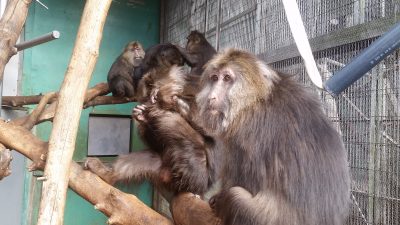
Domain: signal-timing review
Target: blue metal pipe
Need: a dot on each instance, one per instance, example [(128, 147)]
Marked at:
[(365, 61)]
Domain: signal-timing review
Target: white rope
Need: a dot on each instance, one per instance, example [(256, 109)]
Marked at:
[(300, 37)]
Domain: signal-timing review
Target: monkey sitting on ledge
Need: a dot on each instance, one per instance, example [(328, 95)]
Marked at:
[(123, 76)]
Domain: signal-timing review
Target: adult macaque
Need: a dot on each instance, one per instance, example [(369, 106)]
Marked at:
[(121, 78), (286, 164)]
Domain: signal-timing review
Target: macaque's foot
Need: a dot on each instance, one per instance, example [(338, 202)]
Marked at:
[(213, 201), (97, 167), (138, 113), (92, 163)]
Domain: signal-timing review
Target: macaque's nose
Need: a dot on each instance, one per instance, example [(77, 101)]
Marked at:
[(212, 99)]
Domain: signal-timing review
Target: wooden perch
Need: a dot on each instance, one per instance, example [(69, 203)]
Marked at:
[(35, 114), (48, 113), (16, 101), (5, 159), (107, 100), (69, 107), (22, 140), (11, 25)]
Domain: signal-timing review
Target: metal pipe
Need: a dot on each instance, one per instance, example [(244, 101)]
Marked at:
[(39, 40), (365, 61), (206, 18), (218, 25)]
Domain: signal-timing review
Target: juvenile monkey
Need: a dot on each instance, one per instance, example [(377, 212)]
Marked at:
[(197, 52), (179, 157), (285, 162), (122, 78), (156, 67)]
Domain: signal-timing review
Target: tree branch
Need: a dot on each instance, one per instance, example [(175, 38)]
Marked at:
[(48, 113), (107, 100), (5, 159), (35, 114), (22, 140), (16, 101), (11, 25)]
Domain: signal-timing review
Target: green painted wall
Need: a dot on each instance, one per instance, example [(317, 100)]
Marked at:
[(44, 67)]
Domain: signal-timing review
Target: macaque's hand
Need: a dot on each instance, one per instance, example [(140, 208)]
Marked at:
[(138, 113)]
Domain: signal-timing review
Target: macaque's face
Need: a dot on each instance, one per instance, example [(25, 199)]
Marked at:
[(193, 40), (214, 98), (136, 53), (170, 56)]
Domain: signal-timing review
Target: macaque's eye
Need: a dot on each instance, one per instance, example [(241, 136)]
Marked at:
[(227, 77), (214, 77)]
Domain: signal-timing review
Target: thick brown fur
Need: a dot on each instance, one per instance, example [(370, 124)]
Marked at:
[(158, 61), (121, 77), (197, 52), (285, 162), (179, 158)]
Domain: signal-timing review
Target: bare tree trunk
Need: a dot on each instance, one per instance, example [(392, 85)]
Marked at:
[(11, 25), (66, 120)]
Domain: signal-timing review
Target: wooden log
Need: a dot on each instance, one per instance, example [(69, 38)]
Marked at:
[(69, 107), (11, 24), (18, 138), (16, 101), (5, 159)]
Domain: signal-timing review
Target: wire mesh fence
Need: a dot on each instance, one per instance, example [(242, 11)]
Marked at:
[(366, 114)]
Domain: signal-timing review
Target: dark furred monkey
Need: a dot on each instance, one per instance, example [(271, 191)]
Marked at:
[(178, 158), (122, 77), (286, 164), (197, 52), (155, 69)]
